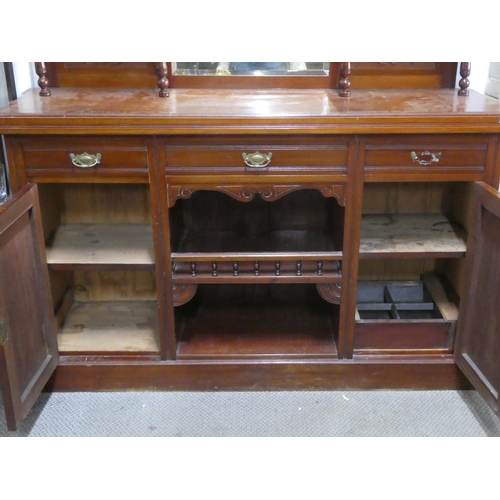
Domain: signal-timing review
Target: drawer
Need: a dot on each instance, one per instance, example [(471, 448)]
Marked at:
[(49, 157), (287, 155), (463, 156)]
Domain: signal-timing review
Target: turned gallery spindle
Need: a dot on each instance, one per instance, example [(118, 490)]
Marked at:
[(464, 81), (278, 267), (214, 268), (344, 83), (299, 268), (193, 269), (43, 81), (256, 268), (320, 268), (235, 269), (162, 72)]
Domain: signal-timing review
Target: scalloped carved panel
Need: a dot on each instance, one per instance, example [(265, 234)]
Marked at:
[(247, 193)]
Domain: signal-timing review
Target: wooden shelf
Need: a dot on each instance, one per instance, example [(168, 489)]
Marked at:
[(409, 235), (279, 325), (110, 327), (101, 246)]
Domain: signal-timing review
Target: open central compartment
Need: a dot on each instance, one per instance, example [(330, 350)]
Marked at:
[(297, 237), (247, 321)]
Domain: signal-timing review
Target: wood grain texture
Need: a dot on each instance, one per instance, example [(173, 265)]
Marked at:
[(411, 234), (120, 326), (101, 244), (28, 349), (478, 342), (84, 111)]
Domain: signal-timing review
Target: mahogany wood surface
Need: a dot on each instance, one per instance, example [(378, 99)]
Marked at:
[(478, 340), (198, 112), (364, 373), (28, 347)]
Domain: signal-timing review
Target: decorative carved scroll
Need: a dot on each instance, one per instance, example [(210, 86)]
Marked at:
[(43, 81), (331, 292), (247, 193), (344, 83), (183, 293), (464, 81), (335, 190), (176, 192), (162, 72)]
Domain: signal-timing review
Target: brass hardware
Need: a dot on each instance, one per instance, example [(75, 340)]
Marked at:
[(257, 160), (420, 159), (85, 160), (4, 332)]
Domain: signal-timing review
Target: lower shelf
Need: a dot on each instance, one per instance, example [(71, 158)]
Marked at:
[(238, 321), (110, 327)]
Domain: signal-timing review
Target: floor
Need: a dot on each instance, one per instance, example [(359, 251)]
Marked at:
[(260, 414)]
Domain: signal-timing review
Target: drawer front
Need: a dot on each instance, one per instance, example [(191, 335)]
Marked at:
[(459, 155), (49, 157), (278, 155)]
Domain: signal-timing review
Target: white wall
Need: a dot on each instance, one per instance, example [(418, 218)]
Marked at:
[(478, 76)]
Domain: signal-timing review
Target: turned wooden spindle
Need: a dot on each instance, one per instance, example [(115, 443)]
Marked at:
[(235, 269), (193, 269), (464, 81), (320, 268), (256, 268), (214, 268), (344, 83), (299, 268), (43, 81), (162, 72), (278, 266)]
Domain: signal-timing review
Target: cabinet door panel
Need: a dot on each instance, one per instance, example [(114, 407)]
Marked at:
[(477, 349), (28, 345)]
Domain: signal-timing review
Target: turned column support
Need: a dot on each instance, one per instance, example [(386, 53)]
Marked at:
[(43, 81), (162, 72), (344, 83), (464, 80)]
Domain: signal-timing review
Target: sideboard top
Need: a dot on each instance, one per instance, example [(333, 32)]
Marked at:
[(201, 111)]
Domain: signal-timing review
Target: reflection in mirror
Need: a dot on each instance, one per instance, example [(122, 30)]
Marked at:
[(251, 68)]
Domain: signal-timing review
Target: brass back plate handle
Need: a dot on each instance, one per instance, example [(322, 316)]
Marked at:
[(425, 158), (257, 160), (85, 160)]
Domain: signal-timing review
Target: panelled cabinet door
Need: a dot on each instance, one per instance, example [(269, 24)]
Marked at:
[(477, 347), (28, 344)]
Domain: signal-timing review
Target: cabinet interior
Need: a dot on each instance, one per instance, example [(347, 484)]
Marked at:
[(253, 268), (301, 221), (413, 275), (265, 320), (99, 246)]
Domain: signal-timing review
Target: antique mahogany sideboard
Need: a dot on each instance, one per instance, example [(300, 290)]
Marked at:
[(249, 238)]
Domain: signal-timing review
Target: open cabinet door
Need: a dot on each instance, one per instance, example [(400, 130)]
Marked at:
[(477, 347), (28, 343)]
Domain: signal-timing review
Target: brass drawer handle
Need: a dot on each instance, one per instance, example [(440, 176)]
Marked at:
[(257, 160), (425, 158), (85, 160)]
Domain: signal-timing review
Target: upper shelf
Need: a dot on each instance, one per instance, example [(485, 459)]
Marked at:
[(201, 111)]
